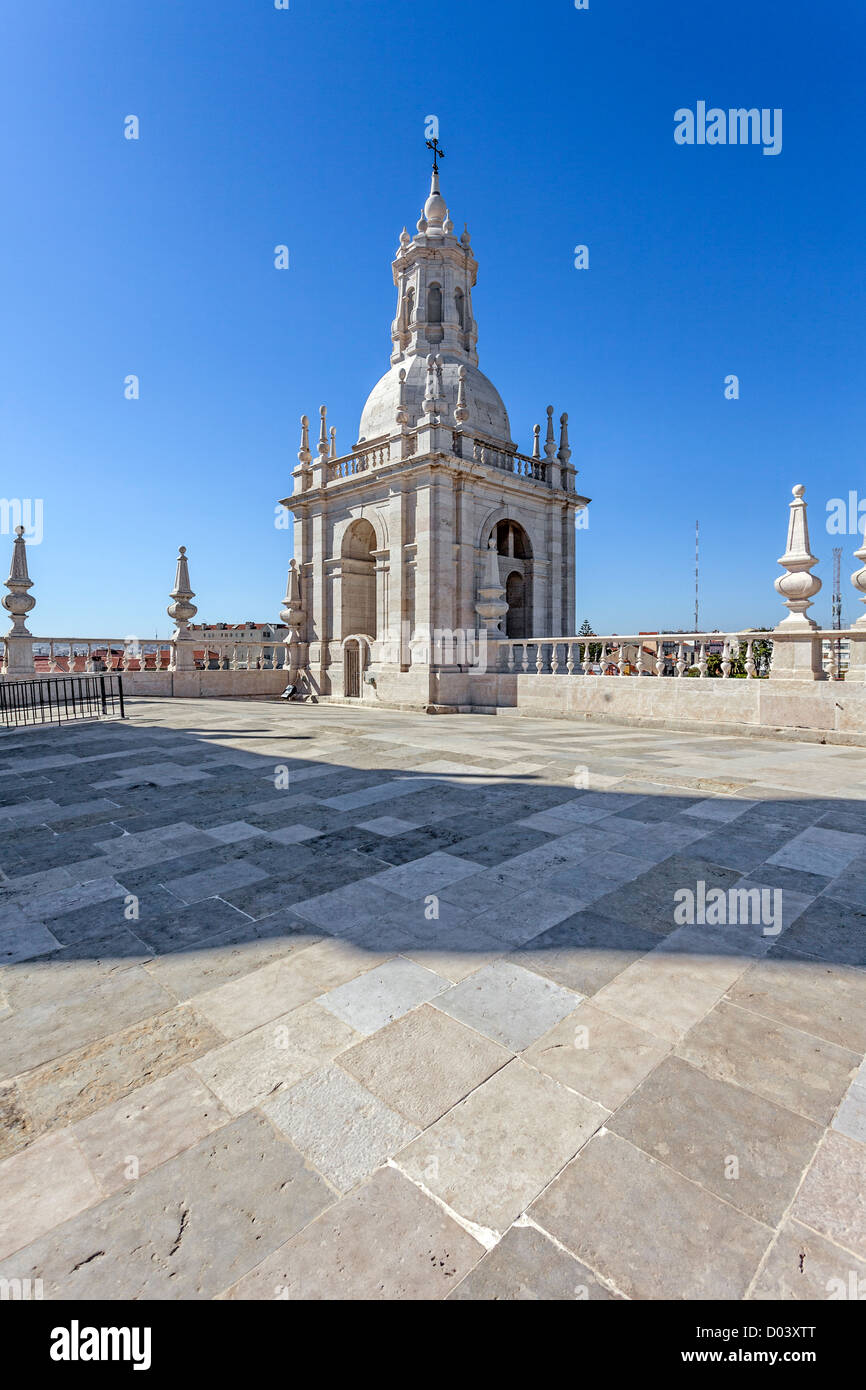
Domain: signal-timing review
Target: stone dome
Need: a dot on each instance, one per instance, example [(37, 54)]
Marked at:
[(487, 413)]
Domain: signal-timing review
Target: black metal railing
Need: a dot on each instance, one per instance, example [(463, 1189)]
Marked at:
[(59, 699)]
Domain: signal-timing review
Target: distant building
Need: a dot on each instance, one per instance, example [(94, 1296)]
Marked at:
[(828, 654)]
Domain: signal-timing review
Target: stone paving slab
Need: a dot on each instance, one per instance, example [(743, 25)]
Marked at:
[(344, 1131), (653, 1232), (745, 1149), (527, 1265), (424, 1063), (387, 1240), (493, 1153), (435, 976), (511, 1005), (187, 1229)]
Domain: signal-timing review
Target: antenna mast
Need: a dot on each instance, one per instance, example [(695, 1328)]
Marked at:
[(837, 606), (697, 572)]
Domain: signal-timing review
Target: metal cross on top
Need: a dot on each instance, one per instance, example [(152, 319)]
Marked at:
[(437, 153)]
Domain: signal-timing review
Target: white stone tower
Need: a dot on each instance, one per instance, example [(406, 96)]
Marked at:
[(392, 539)]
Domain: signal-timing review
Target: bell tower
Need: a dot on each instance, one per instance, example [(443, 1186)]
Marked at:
[(402, 543)]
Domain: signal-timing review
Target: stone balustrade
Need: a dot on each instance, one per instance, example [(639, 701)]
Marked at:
[(91, 655), (524, 465), (636, 654), (189, 662), (359, 461)]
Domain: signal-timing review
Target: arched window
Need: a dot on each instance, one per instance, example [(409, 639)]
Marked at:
[(409, 309), (434, 304), (459, 306)]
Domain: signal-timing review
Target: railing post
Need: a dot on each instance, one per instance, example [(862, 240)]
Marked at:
[(796, 653), (18, 602), (181, 611)]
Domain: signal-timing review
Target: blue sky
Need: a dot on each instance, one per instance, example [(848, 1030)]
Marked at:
[(306, 127)]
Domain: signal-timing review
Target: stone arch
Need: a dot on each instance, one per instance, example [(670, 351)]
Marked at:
[(358, 578), (514, 546), (490, 522)]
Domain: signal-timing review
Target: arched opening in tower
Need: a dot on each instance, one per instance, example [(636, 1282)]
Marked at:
[(358, 579), (515, 567)]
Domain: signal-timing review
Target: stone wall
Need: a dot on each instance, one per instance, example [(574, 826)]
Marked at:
[(831, 711)]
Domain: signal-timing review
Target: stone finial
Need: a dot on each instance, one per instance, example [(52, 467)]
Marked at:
[(304, 454), (447, 225), (292, 610), (550, 442), (181, 611), (18, 602), (564, 454), (461, 410), (292, 614), (333, 433), (798, 587), (491, 606), (441, 402), (435, 208), (402, 413), (465, 235), (405, 238), (429, 401), (536, 441), (421, 224), (323, 433), (858, 578)]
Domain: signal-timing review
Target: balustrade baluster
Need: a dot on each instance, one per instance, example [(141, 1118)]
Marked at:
[(569, 658), (681, 658), (751, 667), (702, 660), (726, 659)]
